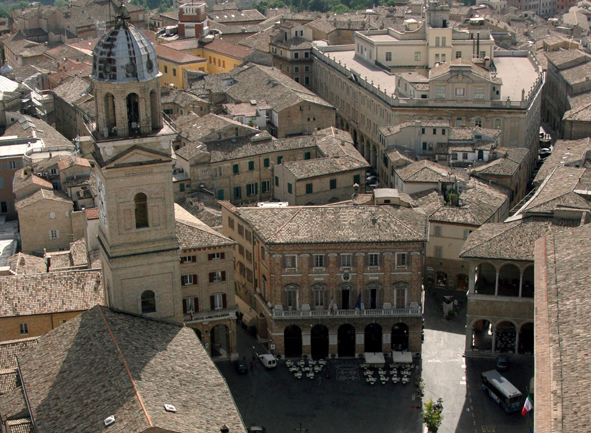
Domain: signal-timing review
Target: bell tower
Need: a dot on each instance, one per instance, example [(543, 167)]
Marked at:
[(133, 167)]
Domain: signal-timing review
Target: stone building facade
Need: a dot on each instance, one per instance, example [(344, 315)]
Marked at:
[(45, 221), (207, 283), (319, 291), (463, 90)]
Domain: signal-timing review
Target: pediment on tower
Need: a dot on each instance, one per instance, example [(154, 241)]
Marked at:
[(138, 156)]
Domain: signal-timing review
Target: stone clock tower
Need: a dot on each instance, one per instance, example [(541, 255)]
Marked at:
[(132, 150)]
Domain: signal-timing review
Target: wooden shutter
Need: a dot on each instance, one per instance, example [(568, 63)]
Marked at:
[(194, 278), (224, 301), (211, 277), (182, 281), (222, 256), (185, 310), (212, 302), (182, 260), (194, 259), (223, 275), (210, 257), (196, 304)]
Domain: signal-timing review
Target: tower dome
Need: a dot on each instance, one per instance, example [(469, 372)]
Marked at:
[(124, 54), (6, 70)]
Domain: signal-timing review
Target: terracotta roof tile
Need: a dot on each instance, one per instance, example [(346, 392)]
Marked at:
[(562, 306), (176, 56), (334, 224), (43, 194), (192, 233), (51, 292), (236, 51), (112, 363)]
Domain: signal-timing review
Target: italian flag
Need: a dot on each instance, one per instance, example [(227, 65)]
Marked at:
[(527, 406)]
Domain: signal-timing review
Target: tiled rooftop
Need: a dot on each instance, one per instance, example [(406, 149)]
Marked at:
[(424, 171), (43, 194), (335, 224), (558, 191), (192, 233), (513, 240), (566, 153), (105, 363), (562, 338), (271, 85), (480, 203), (53, 292), (8, 350), (20, 180), (323, 166), (23, 264)]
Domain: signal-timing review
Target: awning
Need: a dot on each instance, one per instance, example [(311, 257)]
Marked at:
[(403, 357), (374, 358)]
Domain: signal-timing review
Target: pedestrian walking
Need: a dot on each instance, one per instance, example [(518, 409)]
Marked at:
[(251, 366)]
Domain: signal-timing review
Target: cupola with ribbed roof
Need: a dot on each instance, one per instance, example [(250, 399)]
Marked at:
[(125, 78)]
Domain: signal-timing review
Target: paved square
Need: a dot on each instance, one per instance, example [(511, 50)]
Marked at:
[(344, 402)]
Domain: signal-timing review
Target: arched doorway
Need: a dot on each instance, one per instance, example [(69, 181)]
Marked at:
[(400, 337), (133, 112), (462, 282), (319, 341), (526, 338), (509, 276), (292, 340), (346, 341), (482, 335), (373, 338), (220, 340), (505, 337), (355, 137)]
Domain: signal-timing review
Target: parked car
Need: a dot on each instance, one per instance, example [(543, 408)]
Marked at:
[(502, 363), (256, 429), (241, 366), (268, 360)]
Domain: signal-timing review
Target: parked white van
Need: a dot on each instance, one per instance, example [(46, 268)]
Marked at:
[(268, 360)]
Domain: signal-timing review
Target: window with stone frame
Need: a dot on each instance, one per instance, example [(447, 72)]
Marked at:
[(401, 260), (318, 260), (148, 300), (346, 260), (373, 260), (291, 297), (400, 294), (291, 261), (319, 293)]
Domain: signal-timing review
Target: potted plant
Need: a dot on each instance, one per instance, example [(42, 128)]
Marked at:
[(432, 416)]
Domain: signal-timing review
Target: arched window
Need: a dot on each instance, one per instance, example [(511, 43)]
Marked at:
[(497, 123), (110, 119), (141, 210), (133, 112), (478, 122), (148, 302), (154, 110)]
